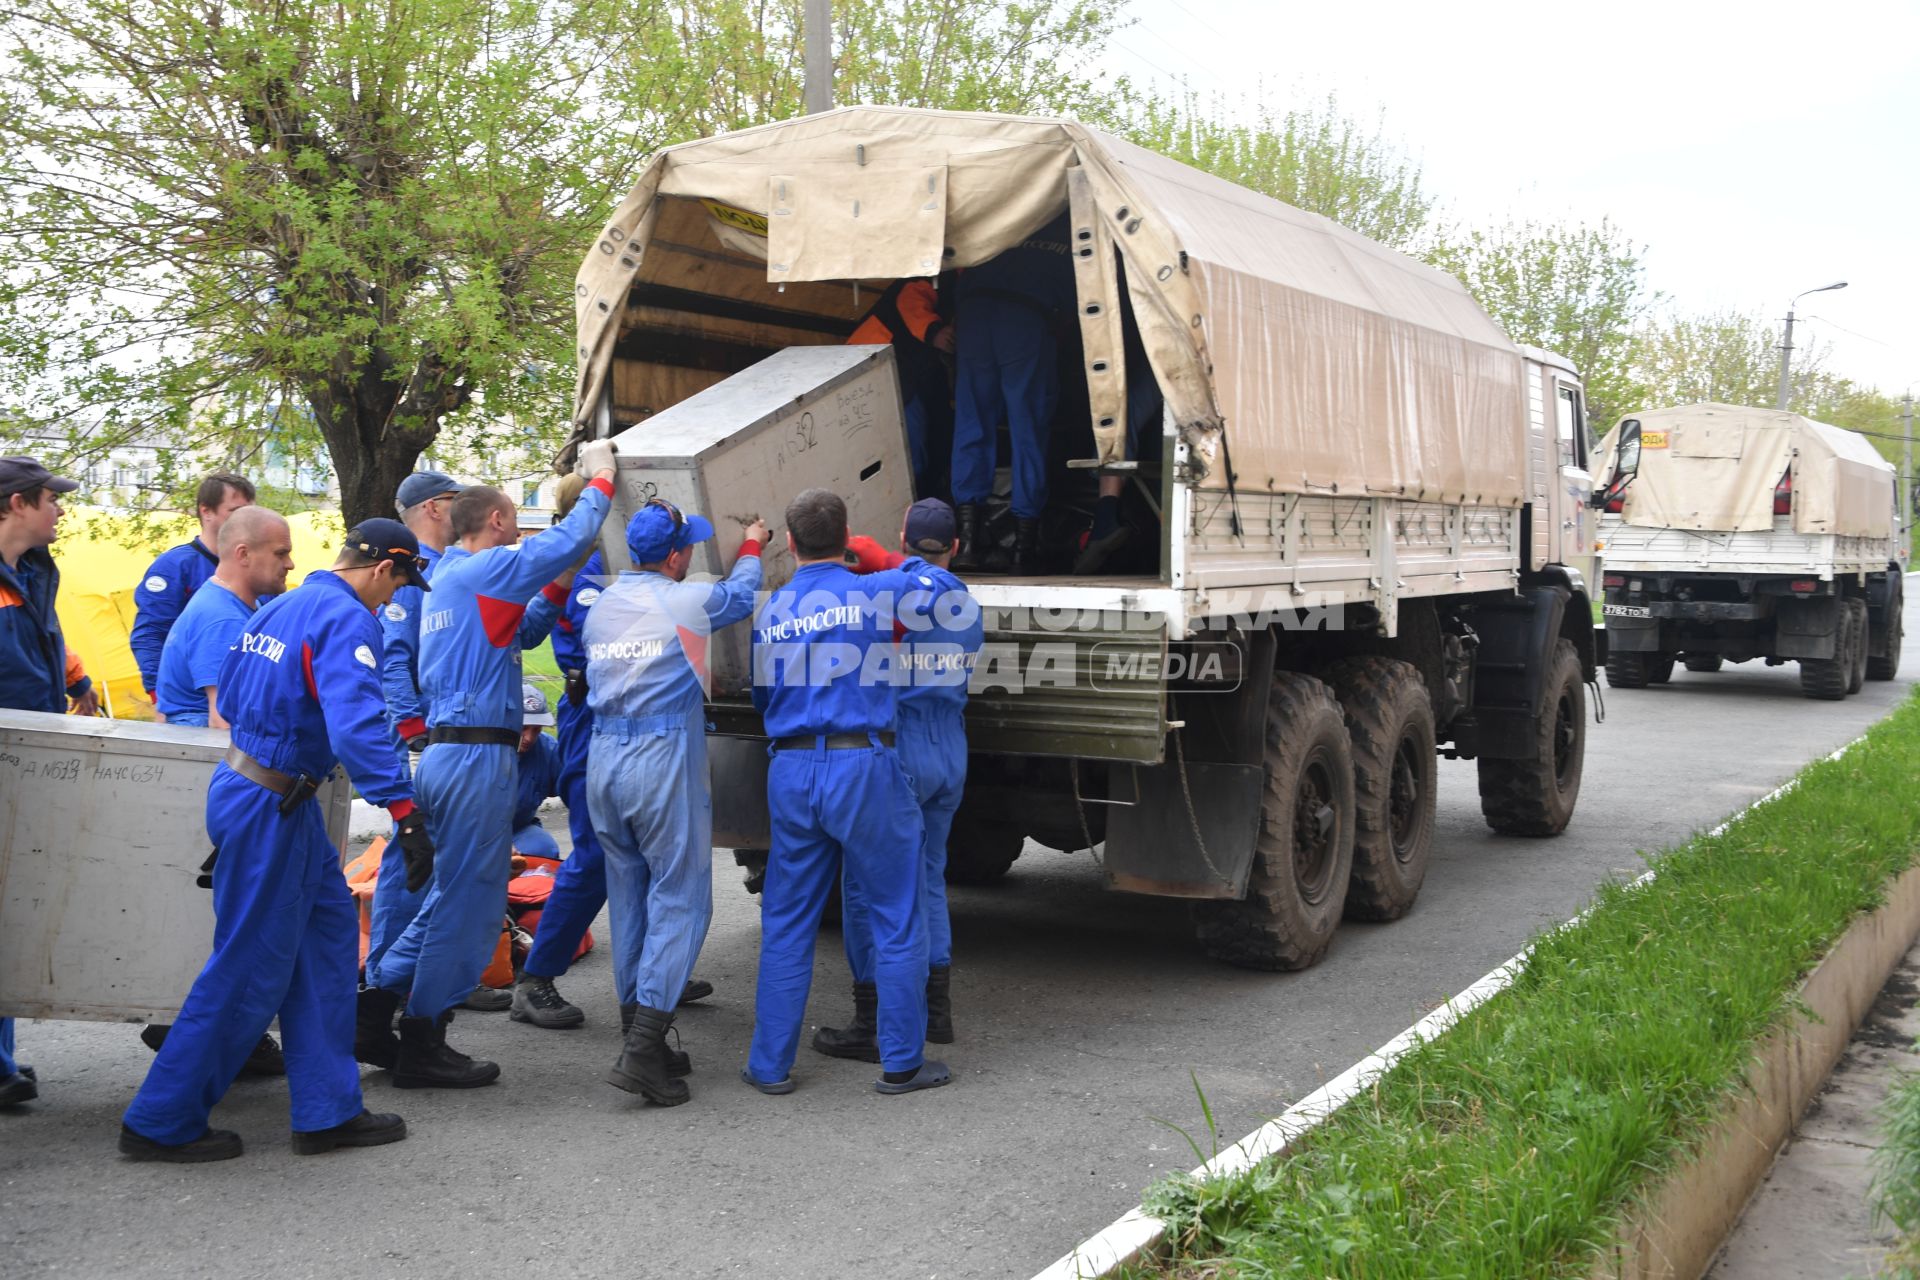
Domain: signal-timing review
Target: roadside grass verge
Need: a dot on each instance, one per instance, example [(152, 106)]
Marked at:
[(1896, 1183), (1511, 1145)]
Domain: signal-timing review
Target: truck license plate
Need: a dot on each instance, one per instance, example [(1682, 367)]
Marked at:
[(1626, 611)]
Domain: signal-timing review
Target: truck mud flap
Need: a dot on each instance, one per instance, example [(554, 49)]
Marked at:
[(1806, 628), (1633, 635), (737, 778), (1152, 845), (1517, 636)]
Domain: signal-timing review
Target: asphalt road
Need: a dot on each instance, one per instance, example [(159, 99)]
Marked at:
[(1084, 1018)]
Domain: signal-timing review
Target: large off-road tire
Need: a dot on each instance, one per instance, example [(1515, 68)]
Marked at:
[(1535, 796), (1826, 679), (1659, 667), (1303, 854), (1395, 775), (1886, 668), (1626, 670), (981, 852), (1857, 675), (1703, 662)]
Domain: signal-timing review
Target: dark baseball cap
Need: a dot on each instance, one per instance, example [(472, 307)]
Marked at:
[(18, 474), (930, 526), (384, 539), (421, 485), (659, 529)]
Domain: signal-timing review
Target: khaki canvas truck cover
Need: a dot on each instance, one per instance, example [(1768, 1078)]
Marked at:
[(1715, 467), (1331, 363)]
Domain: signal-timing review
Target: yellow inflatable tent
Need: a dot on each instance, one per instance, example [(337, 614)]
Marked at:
[(101, 559)]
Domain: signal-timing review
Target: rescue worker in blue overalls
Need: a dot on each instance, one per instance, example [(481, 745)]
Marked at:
[(836, 795), (1004, 370), (422, 501), (538, 777), (286, 933), (37, 673), (940, 633), (907, 317), (171, 580), (580, 885), (647, 682), (470, 670)]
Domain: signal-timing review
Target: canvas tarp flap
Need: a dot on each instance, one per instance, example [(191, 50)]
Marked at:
[(1716, 466), (1335, 364)]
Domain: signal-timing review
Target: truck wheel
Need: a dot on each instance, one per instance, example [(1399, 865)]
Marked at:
[(1705, 662), (1303, 855), (1826, 679), (1857, 673), (1535, 796), (981, 852), (1395, 774), (1659, 667), (1885, 668), (1626, 670)]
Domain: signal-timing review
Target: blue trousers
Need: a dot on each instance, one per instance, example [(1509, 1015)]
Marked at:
[(647, 792), (394, 905), (467, 790), (580, 885), (8, 1063), (1004, 371), (285, 942), (533, 841), (933, 751), (828, 807)]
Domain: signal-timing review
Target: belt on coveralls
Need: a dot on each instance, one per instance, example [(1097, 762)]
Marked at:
[(473, 736), (292, 790), (833, 741)]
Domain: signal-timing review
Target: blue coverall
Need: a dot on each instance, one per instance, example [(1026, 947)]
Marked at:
[(164, 590), (196, 650), (36, 672), (646, 642), (823, 662), (940, 636), (286, 933), (395, 905), (580, 885), (538, 779), (470, 641), (1004, 366)]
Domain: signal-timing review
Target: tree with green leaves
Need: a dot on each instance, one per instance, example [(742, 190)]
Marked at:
[(354, 227), (1576, 290), (1314, 157)]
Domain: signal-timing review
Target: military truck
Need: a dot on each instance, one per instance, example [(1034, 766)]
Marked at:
[(1361, 506), (1732, 534)]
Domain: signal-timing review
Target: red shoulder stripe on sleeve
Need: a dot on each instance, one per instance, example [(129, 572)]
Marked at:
[(306, 665)]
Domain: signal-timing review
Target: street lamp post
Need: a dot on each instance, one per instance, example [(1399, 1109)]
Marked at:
[(1786, 342)]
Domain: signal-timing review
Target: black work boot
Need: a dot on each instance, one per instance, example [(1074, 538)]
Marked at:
[(214, 1144), (678, 1063), (364, 1130), (486, 999), (373, 1040), (537, 1000), (939, 1004), (855, 1040), (968, 532), (696, 990), (265, 1060), (642, 1066), (19, 1087), (426, 1062), (1026, 546)]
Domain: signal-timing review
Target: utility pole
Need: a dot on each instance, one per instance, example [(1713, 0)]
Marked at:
[(1786, 343), (1906, 467), (819, 56)]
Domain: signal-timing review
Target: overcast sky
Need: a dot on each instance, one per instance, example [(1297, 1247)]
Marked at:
[(1757, 149)]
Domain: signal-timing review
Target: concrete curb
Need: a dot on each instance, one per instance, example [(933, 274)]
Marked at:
[(1676, 1229), (1135, 1236)]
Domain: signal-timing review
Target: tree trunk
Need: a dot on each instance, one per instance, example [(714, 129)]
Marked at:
[(372, 451)]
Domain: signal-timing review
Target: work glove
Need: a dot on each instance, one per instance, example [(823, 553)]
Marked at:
[(416, 846), (864, 555), (596, 456), (577, 688)]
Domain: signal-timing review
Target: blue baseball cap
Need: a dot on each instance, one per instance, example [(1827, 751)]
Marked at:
[(930, 526), (659, 529), (421, 485)]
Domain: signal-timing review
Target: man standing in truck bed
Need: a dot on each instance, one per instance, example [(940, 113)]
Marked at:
[(36, 671), (470, 671)]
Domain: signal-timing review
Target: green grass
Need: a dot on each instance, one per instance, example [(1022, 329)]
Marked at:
[(1510, 1146), (1896, 1182)]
